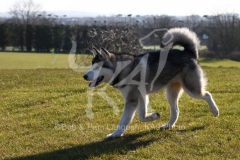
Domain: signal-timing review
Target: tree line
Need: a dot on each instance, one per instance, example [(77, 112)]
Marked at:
[(39, 38), (30, 29), (58, 38)]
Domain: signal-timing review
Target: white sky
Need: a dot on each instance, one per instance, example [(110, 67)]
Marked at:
[(142, 7)]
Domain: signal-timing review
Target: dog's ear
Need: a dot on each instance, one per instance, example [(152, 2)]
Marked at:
[(95, 52), (105, 54)]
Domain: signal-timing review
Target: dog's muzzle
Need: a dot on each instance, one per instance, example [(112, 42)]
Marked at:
[(85, 76), (89, 76)]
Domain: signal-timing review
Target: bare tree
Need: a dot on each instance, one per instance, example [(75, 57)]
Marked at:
[(25, 12), (162, 21), (159, 22), (192, 21), (46, 19), (225, 30), (117, 38)]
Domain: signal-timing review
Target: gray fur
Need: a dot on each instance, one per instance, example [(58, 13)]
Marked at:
[(183, 37), (180, 73)]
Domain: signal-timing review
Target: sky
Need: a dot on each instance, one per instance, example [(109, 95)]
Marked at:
[(140, 7)]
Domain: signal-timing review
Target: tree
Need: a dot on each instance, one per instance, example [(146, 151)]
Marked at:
[(21, 33), (43, 38), (67, 41), (45, 18), (58, 34), (192, 21), (225, 29), (4, 35), (25, 12), (29, 37), (81, 38), (116, 38), (162, 21)]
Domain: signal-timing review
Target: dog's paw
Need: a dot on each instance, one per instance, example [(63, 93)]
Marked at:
[(215, 111), (114, 135), (166, 126), (155, 116)]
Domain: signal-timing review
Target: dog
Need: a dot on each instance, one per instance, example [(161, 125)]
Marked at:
[(137, 76)]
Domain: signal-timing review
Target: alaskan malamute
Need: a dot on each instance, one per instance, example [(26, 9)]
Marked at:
[(136, 76)]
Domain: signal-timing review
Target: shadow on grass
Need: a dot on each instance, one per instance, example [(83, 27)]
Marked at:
[(95, 149), (197, 128), (117, 146)]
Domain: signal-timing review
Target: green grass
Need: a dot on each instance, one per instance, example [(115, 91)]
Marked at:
[(10, 60), (219, 63), (43, 116), (13, 60)]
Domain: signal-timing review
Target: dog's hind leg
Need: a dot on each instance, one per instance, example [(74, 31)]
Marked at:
[(142, 110), (194, 85), (207, 97), (173, 93), (212, 105)]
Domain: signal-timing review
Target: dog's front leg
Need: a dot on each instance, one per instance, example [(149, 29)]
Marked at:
[(127, 116), (142, 110)]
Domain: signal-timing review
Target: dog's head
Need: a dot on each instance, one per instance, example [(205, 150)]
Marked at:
[(102, 69)]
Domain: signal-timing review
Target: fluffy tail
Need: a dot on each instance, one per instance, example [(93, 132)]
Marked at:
[(183, 37)]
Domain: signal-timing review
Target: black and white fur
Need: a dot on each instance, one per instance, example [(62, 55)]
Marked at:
[(180, 73)]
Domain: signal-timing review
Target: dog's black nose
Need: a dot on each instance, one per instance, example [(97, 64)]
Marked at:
[(85, 76)]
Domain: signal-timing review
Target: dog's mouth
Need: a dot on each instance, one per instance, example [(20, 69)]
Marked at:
[(96, 82)]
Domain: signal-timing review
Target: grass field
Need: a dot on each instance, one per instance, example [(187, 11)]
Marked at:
[(43, 116), (10, 60)]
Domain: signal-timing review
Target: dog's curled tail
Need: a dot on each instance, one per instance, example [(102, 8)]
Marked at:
[(183, 37)]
